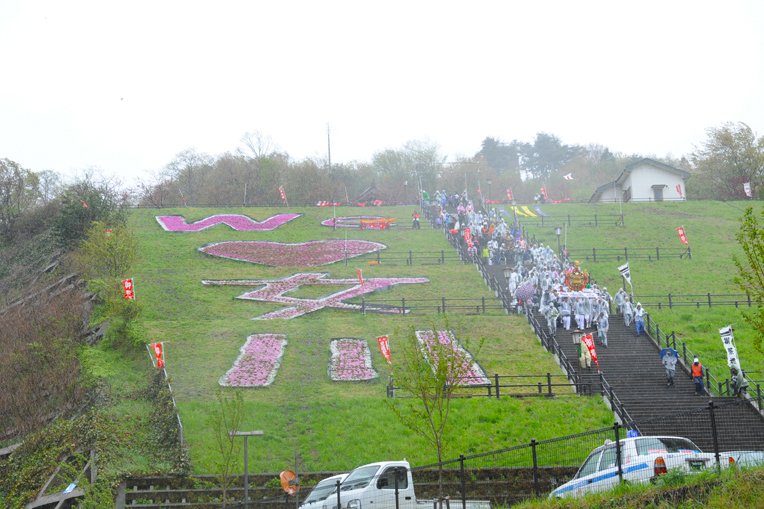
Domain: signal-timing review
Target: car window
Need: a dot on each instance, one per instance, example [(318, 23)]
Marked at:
[(359, 478), (608, 459), (322, 490), (652, 445), (386, 481), (590, 465)]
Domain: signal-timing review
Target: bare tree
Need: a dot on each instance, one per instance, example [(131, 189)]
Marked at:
[(259, 144)]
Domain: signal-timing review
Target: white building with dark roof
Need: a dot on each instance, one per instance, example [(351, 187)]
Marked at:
[(646, 180)]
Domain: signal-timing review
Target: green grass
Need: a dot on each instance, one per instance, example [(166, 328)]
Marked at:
[(711, 228), (332, 425)]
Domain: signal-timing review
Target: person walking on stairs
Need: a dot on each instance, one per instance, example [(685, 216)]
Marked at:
[(602, 329), (639, 319), (628, 311), (580, 310), (697, 376), (584, 356), (670, 362)]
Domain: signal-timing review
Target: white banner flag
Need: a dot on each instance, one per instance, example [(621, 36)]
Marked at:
[(747, 188), (729, 346), (625, 272)]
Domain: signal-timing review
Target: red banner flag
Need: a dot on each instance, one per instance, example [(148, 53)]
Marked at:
[(85, 205), (682, 235), (378, 203), (509, 194), (282, 193), (360, 277), (468, 237), (543, 191), (158, 349), (129, 289), (479, 192), (384, 347), (588, 340), (679, 189)]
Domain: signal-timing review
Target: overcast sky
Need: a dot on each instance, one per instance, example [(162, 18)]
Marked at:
[(124, 86)]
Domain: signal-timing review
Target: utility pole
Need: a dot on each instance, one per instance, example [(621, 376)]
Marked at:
[(329, 144)]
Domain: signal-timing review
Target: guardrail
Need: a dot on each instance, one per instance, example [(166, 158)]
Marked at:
[(408, 257), (650, 254), (696, 300)]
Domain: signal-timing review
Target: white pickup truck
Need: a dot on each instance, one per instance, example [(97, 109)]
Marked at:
[(373, 486)]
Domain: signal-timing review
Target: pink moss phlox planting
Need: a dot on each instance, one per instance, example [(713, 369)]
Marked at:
[(347, 221), (238, 222), (474, 374), (277, 254), (275, 290), (258, 362), (351, 360)]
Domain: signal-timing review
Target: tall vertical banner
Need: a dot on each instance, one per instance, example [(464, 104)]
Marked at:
[(729, 346), (129, 288), (588, 340), (543, 192), (158, 350), (682, 236), (679, 190), (384, 347), (509, 194), (360, 277), (625, 272), (747, 189), (282, 193)]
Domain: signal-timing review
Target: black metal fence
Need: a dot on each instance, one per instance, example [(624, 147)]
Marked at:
[(392, 258), (672, 300), (472, 306), (518, 386), (593, 220), (650, 254)]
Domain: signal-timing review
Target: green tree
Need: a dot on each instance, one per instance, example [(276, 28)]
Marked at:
[(107, 252), (731, 156), (19, 190), (751, 270), (432, 374), (226, 417)]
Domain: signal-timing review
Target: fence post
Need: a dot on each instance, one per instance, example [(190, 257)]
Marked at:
[(673, 339), (658, 334), (670, 304), (626, 254), (595, 219), (403, 305), (727, 387), (684, 351), (709, 300), (689, 252), (594, 254), (339, 502), (708, 381), (602, 386), (464, 488), (713, 430), (411, 260), (549, 383), (535, 468), (758, 395), (496, 378), (397, 504), (443, 300), (616, 427), (658, 254), (442, 256)]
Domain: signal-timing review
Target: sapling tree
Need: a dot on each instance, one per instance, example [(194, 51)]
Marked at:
[(226, 417), (750, 276), (432, 372)]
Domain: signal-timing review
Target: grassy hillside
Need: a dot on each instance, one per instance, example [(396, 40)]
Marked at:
[(710, 228), (332, 425)]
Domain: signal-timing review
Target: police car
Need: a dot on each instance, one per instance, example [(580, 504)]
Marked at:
[(643, 459)]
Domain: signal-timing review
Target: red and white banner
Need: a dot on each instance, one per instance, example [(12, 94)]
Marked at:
[(360, 277), (543, 191), (129, 289), (282, 193), (85, 205), (588, 340), (468, 237), (679, 189), (480, 192), (158, 349), (747, 188), (509, 193), (327, 204), (378, 202), (493, 201), (563, 200), (682, 235), (384, 347), (569, 176)]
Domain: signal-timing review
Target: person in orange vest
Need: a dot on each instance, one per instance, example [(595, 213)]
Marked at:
[(697, 376), (415, 215)]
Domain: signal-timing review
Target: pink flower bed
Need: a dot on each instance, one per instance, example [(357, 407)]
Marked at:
[(238, 222), (474, 374), (276, 290), (276, 254), (258, 362), (347, 221), (351, 360)]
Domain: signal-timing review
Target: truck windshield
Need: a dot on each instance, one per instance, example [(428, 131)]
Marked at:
[(322, 490), (359, 478), (651, 445)]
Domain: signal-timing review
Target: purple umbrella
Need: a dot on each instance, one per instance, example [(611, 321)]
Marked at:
[(525, 293)]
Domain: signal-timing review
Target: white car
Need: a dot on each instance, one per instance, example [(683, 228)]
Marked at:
[(643, 459), (323, 490)]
